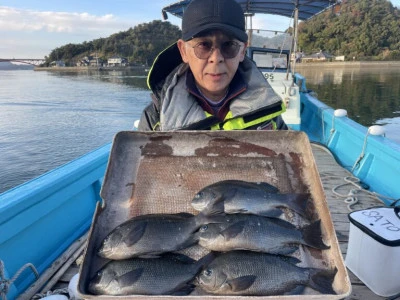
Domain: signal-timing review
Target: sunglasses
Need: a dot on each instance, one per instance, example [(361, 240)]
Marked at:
[(204, 49)]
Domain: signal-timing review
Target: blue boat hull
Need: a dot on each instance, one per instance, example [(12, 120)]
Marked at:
[(40, 219), (375, 160)]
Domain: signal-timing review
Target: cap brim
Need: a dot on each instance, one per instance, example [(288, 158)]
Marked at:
[(237, 33)]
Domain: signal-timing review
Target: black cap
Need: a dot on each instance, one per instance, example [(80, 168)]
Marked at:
[(202, 15)]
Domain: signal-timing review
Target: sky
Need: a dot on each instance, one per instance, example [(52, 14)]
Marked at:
[(33, 28)]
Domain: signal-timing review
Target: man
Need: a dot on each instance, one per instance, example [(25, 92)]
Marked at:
[(205, 81)]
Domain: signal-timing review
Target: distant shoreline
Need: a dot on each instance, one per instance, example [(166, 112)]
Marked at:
[(84, 69), (335, 64), (350, 64)]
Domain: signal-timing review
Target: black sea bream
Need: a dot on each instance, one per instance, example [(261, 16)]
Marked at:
[(234, 196), (151, 235), (258, 233), (169, 274), (261, 274)]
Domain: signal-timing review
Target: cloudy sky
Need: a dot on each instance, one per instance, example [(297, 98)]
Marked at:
[(33, 28)]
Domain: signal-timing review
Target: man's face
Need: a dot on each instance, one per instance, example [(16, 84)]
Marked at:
[(213, 72)]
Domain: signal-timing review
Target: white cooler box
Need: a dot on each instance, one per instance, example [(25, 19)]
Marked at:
[(373, 253)]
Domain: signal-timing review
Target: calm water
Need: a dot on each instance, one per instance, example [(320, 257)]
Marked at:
[(48, 119), (371, 96)]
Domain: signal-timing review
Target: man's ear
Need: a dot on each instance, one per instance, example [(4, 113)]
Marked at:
[(243, 52), (182, 49)]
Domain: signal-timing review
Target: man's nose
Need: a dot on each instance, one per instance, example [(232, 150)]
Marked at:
[(216, 55)]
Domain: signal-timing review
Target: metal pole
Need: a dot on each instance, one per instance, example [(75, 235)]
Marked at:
[(249, 18), (295, 29)]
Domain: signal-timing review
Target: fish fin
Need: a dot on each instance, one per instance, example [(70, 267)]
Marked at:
[(135, 234), (289, 259), (184, 214), (185, 290), (190, 241), (299, 203), (217, 208), (271, 213), (322, 280), (130, 277), (312, 235), (206, 259), (297, 290), (285, 249), (241, 283), (233, 230), (214, 217), (250, 184), (269, 188)]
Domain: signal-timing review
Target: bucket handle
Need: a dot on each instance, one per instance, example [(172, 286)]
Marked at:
[(397, 211), (396, 208)]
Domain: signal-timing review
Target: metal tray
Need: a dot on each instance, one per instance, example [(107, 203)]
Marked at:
[(160, 172)]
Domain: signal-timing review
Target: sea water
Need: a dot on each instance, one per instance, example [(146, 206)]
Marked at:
[(50, 118)]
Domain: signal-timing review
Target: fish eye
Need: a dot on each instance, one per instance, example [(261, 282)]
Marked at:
[(203, 228), (207, 272), (198, 195)]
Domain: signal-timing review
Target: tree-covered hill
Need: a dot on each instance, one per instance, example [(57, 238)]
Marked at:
[(140, 45), (364, 29)]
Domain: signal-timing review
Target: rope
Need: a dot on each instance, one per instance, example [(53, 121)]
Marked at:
[(5, 283), (332, 131), (350, 197), (63, 291), (356, 164)]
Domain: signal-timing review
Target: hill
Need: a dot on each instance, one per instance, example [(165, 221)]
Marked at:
[(363, 29), (139, 45)]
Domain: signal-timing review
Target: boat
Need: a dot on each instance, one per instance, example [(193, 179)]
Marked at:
[(44, 223)]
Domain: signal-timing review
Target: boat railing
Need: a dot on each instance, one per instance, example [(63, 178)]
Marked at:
[(41, 218), (363, 153)]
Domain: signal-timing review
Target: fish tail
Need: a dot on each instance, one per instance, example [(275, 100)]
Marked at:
[(322, 280), (204, 261), (299, 203), (312, 236), (204, 218)]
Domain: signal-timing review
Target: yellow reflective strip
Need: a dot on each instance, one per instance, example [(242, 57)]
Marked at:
[(239, 123), (155, 126)]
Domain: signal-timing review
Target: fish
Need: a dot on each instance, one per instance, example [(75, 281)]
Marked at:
[(261, 274), (151, 235), (168, 274), (235, 196), (258, 233)]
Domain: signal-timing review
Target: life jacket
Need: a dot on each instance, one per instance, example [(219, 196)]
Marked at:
[(255, 107)]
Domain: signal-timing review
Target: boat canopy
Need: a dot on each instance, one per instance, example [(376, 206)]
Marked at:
[(306, 8)]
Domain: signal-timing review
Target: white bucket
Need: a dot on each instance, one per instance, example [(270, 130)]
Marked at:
[(374, 249)]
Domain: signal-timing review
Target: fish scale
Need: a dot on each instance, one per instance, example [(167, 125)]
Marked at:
[(258, 233), (261, 274), (153, 234), (173, 274)]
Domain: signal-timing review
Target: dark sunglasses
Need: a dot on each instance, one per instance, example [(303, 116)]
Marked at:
[(204, 49)]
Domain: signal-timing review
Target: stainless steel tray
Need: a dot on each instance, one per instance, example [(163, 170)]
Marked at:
[(152, 172)]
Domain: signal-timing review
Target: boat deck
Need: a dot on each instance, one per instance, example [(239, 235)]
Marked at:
[(332, 176)]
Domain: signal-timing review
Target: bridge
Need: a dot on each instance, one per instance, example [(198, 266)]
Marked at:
[(28, 61)]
